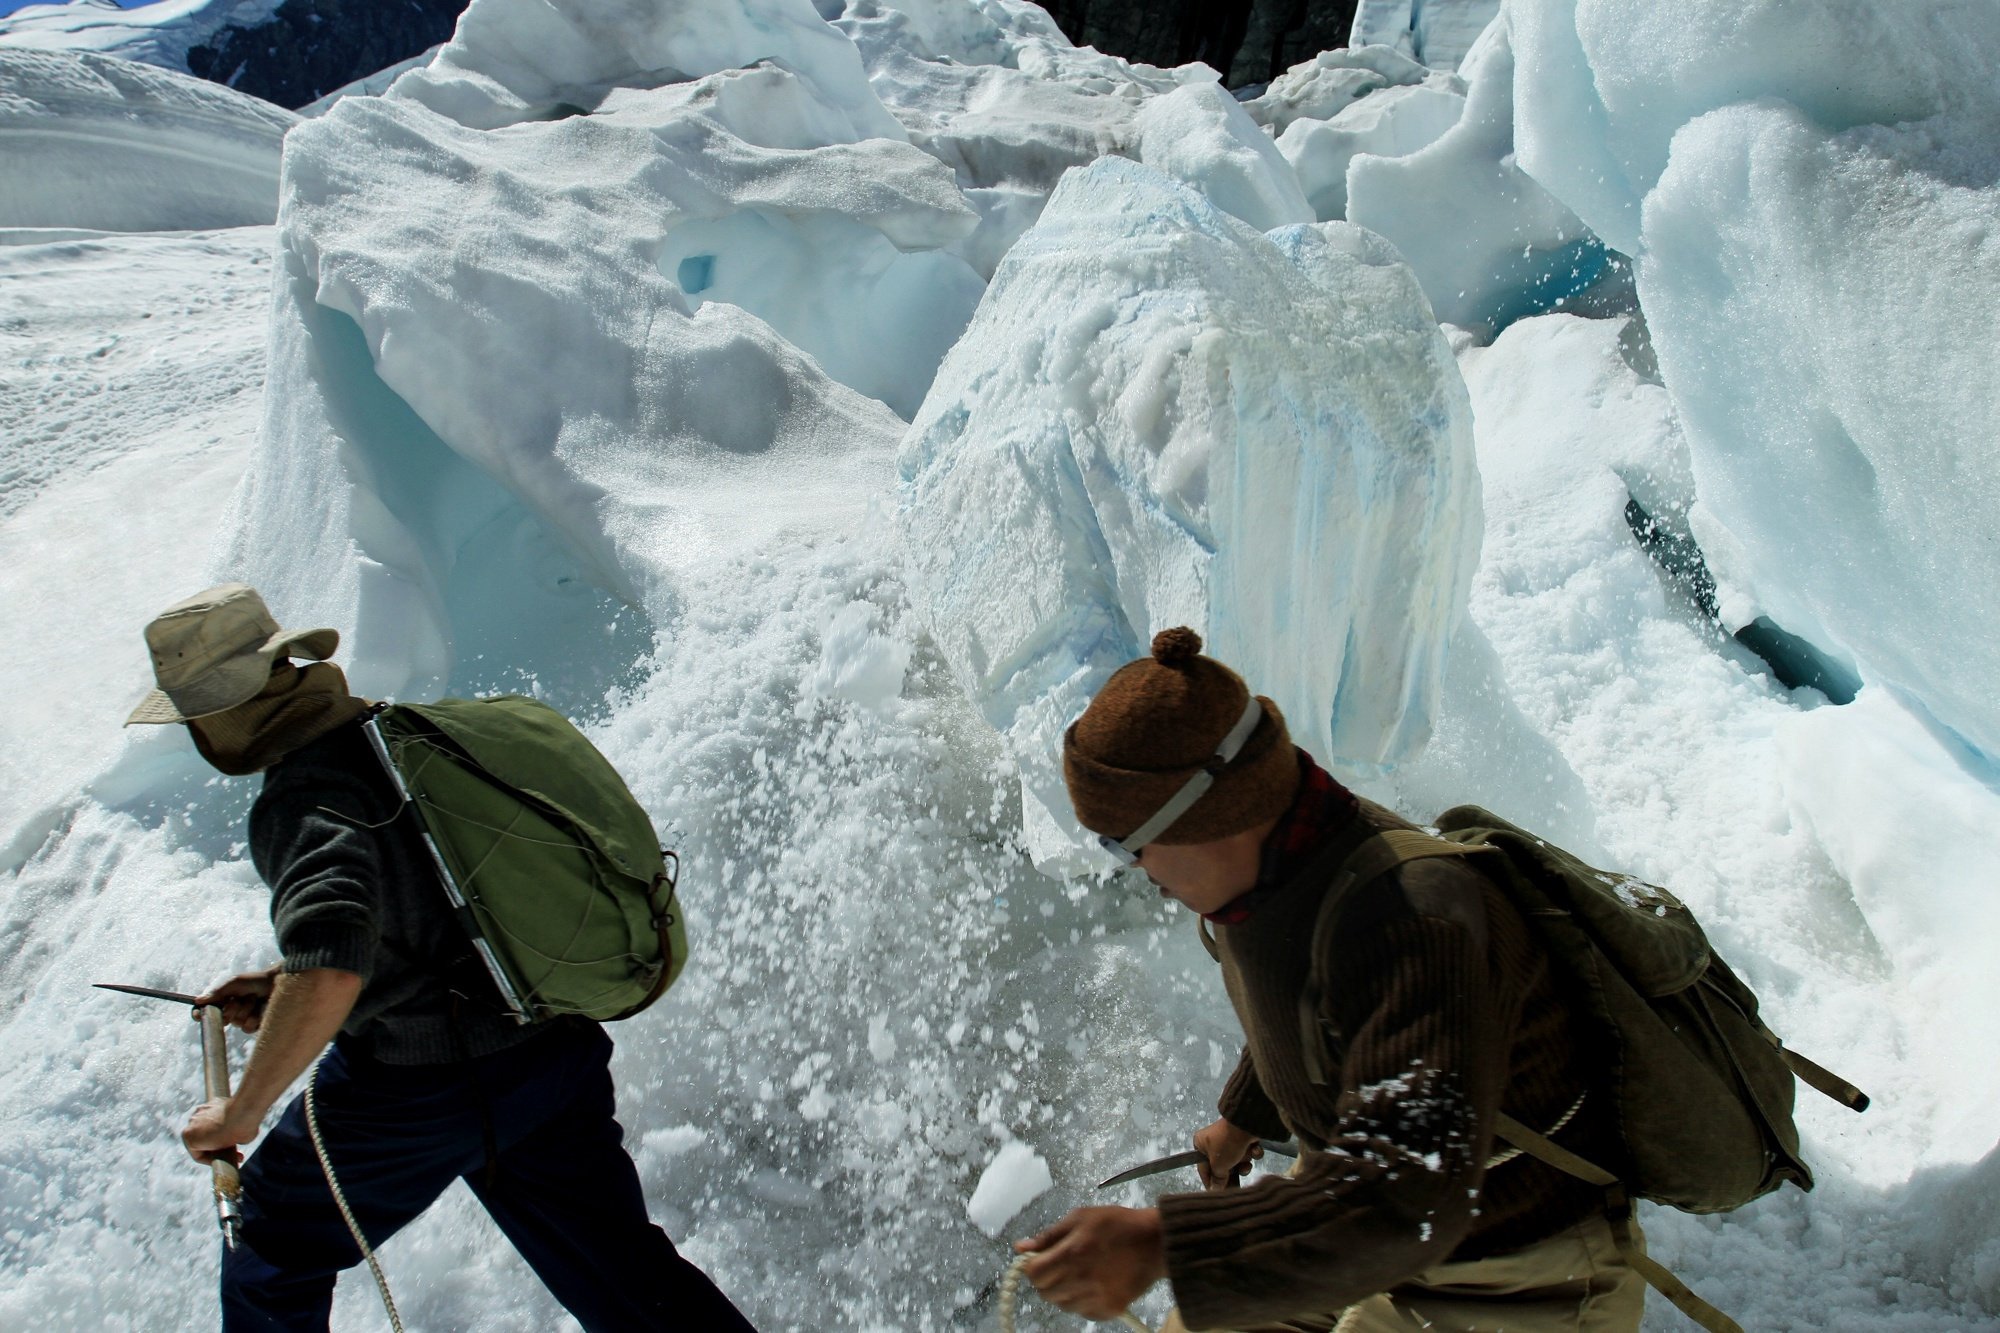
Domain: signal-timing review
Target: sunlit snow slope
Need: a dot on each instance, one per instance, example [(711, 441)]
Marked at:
[(89, 140), (670, 362)]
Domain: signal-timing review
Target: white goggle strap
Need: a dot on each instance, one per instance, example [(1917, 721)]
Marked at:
[(1197, 786)]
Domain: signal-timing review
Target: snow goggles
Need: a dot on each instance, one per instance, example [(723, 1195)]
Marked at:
[(1126, 850)]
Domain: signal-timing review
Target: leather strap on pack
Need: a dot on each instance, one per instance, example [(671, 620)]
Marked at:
[(1383, 853), (1374, 858), (1618, 1212), (1822, 1079)]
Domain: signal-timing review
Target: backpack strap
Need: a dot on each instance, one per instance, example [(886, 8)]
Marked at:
[(1385, 852), (1819, 1077), (1618, 1212), (1374, 858)]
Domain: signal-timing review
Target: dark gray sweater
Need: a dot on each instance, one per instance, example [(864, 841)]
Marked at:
[(353, 887)]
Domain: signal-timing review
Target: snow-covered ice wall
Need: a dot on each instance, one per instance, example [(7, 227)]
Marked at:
[(1814, 208), (1489, 243), (1161, 416), (558, 339), (994, 90), (1437, 32), (1340, 104), (94, 141)]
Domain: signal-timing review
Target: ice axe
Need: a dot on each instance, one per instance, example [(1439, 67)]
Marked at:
[(214, 1087)]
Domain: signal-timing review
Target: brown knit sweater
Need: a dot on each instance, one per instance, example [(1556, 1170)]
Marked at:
[(1438, 1011)]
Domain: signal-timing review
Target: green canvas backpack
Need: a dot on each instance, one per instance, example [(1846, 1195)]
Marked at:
[(551, 866), (1698, 1089)]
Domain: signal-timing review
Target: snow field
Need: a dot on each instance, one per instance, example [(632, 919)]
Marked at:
[(87, 140), (130, 370)]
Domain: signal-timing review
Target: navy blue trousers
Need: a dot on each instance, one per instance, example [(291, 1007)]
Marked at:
[(561, 1187)]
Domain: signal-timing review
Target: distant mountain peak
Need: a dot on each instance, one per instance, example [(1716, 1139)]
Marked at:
[(291, 52)]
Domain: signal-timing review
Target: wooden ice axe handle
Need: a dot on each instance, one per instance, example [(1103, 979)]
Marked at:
[(215, 1087)]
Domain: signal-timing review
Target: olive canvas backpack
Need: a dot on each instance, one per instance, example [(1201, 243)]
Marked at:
[(1698, 1089), (551, 866)]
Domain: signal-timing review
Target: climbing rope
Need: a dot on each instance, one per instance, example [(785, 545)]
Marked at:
[(1010, 1291), (346, 1213)]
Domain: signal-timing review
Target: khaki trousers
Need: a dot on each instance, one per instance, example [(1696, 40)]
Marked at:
[(1573, 1282)]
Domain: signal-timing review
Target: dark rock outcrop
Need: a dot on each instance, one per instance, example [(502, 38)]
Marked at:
[(311, 47), (1247, 41)]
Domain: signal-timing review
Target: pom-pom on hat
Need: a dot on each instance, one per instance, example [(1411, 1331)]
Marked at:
[(1156, 723)]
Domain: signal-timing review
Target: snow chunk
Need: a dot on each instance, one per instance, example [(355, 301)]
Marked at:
[(1015, 1178), (93, 141), (862, 666), (1161, 417)]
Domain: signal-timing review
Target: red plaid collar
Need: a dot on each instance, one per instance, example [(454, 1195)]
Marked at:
[(1321, 806)]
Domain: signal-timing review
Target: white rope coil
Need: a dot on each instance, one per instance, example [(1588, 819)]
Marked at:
[(1010, 1295), (346, 1213)]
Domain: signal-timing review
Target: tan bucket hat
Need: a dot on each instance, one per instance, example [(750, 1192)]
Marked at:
[(214, 651)]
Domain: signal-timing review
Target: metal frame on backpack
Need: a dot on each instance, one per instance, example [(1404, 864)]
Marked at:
[(461, 908)]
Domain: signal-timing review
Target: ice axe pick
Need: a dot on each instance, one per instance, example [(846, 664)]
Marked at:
[(214, 1087), (1174, 1161)]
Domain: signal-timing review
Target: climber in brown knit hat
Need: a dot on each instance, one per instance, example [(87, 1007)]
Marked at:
[(1434, 1002)]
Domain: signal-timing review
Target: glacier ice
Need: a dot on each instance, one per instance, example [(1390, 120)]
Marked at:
[(94, 141), (1438, 33), (1394, 122), (1200, 134), (488, 367), (1159, 417), (777, 704), (512, 61), (1811, 207), (1489, 244), (1326, 111), (997, 93), (1329, 83)]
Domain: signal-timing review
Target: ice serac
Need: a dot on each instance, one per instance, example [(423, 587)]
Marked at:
[(94, 141), (1811, 198), (1489, 244), (1437, 32), (1161, 416), (517, 60), (1341, 104), (995, 91), (522, 375)]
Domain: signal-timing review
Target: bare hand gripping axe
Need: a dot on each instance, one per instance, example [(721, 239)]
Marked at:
[(215, 1086)]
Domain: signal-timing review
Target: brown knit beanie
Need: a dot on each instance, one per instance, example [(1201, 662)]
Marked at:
[(1158, 721)]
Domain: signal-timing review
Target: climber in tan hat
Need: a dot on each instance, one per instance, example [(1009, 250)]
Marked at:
[(421, 1077), (223, 666), (1425, 986)]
